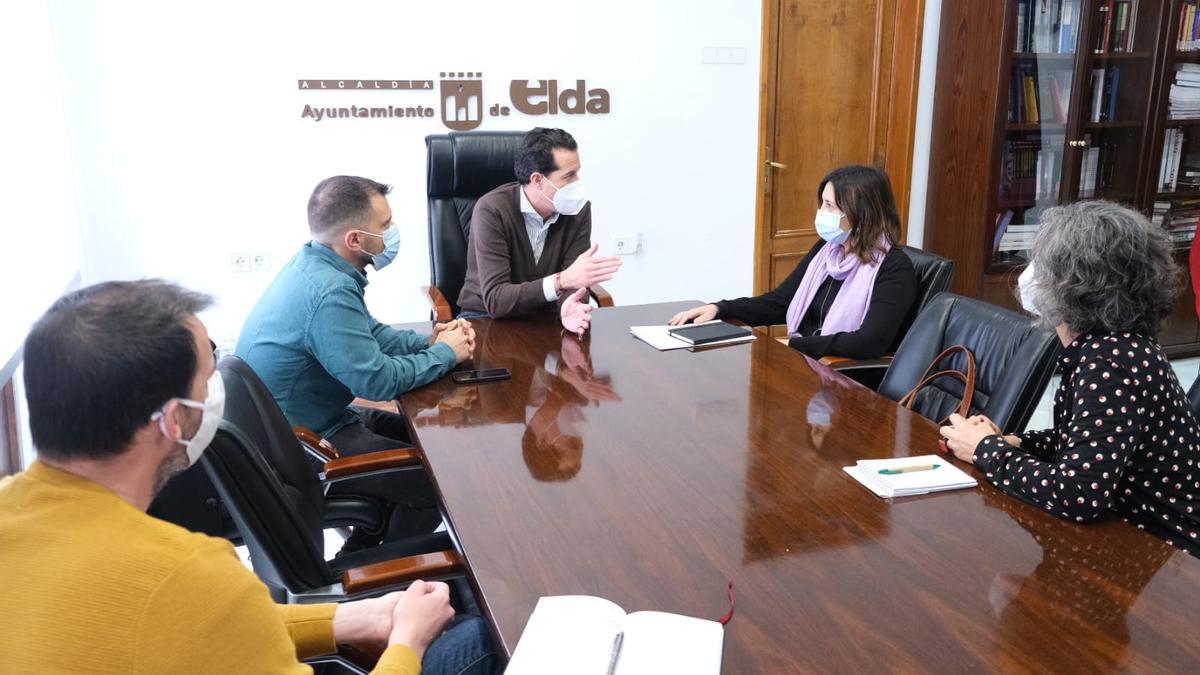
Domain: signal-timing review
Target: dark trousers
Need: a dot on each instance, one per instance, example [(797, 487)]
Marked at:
[(409, 493)]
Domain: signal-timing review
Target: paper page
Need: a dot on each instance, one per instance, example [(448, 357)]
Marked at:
[(567, 634), (659, 337), (657, 642)]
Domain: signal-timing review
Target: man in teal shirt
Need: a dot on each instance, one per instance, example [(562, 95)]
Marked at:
[(313, 342)]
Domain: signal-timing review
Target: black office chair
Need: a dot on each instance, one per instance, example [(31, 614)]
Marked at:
[(265, 478), (1014, 358), (1193, 395), (934, 274), (190, 501), (461, 168)]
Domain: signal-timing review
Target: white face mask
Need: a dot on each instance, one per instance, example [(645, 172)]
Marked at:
[(569, 199), (829, 227), (1025, 290), (213, 407)]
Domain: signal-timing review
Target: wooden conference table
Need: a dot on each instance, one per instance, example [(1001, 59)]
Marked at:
[(607, 468)]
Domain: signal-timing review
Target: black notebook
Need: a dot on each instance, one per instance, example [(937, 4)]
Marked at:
[(705, 333)]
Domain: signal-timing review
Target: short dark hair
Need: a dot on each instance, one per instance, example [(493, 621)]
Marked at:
[(536, 153), (341, 201), (864, 194), (103, 359)]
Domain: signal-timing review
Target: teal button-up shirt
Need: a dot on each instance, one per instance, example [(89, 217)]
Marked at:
[(315, 346)]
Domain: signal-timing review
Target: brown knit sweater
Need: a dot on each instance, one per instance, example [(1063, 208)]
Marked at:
[(502, 278)]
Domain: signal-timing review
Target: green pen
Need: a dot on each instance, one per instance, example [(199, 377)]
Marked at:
[(908, 469)]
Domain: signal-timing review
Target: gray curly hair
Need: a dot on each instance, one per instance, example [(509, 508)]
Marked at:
[(1103, 267)]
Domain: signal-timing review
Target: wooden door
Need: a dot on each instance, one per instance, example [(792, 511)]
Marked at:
[(839, 86)]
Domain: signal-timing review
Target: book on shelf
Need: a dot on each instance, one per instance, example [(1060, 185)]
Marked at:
[(1105, 85), (1116, 26), (1047, 26), (1030, 98), (1188, 29), (1020, 167), (1168, 170), (1088, 177), (1002, 222), (1060, 106)]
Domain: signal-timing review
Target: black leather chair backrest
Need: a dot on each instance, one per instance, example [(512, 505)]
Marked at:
[(934, 274), (268, 484), (461, 168), (1014, 358)]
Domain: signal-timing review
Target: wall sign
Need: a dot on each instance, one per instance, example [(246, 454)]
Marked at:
[(458, 98)]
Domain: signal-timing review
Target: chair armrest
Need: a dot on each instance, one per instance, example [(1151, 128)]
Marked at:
[(401, 571), (315, 442), (345, 467), (843, 363), (603, 298), (441, 306), (362, 655)]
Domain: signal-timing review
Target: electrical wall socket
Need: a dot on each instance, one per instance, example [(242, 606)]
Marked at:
[(627, 244), (254, 261), (239, 262)]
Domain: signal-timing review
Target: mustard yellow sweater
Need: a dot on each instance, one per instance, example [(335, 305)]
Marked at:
[(90, 584)]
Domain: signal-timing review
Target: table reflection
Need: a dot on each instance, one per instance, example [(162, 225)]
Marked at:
[(1078, 595)]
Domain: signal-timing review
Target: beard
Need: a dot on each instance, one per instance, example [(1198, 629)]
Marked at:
[(172, 465), (177, 460)]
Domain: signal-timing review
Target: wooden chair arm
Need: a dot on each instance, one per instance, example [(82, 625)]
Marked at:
[(441, 306), (603, 298), (318, 444), (401, 571), (371, 461), (843, 363), (364, 655)]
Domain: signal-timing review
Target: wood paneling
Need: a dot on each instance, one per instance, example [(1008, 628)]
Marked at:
[(839, 87), (604, 467)]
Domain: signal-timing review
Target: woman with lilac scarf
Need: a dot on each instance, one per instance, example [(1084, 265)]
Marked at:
[(852, 292)]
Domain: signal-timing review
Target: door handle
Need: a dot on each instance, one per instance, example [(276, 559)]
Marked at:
[(776, 165)]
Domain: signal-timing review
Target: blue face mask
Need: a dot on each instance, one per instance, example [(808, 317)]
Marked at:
[(391, 246), (829, 227)]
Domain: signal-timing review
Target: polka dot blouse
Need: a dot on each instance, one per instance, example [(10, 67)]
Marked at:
[(1124, 439)]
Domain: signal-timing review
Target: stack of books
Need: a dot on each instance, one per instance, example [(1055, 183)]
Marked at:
[(1013, 241), (1179, 218), (1185, 93)]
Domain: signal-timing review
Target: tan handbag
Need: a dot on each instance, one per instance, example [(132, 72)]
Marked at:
[(931, 374)]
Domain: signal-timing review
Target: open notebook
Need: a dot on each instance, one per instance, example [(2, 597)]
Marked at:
[(578, 634), (945, 477)]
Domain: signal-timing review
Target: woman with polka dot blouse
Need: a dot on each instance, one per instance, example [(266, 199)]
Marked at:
[(1124, 437)]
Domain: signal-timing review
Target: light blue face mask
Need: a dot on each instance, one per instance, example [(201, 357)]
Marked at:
[(829, 227), (391, 246)]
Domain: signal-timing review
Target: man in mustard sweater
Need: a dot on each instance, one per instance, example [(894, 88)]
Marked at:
[(123, 393)]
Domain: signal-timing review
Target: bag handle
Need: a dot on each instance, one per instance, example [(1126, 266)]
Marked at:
[(968, 380)]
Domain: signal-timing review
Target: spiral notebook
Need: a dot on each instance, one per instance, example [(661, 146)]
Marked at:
[(945, 476)]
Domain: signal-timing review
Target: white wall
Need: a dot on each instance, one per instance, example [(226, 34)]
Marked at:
[(39, 230), (189, 145), (923, 131)]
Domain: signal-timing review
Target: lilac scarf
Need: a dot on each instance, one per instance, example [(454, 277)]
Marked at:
[(850, 305)]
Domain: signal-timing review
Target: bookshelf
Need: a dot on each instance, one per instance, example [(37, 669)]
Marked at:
[(1045, 102)]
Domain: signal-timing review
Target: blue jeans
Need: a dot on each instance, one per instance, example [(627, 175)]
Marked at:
[(465, 649)]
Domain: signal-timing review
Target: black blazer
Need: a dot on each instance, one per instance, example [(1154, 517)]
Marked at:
[(895, 292)]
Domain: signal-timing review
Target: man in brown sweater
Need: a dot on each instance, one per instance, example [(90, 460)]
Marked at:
[(530, 246)]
